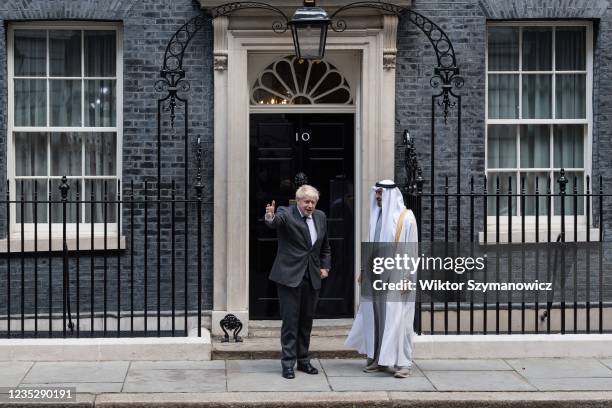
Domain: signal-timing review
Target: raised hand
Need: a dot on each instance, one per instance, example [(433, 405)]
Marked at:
[(270, 208)]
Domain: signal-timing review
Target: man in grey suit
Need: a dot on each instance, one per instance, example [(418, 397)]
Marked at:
[(303, 258)]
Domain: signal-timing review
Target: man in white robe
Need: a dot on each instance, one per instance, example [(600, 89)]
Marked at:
[(383, 328)]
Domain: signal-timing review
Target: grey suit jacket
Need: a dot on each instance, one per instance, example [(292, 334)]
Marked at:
[(295, 254)]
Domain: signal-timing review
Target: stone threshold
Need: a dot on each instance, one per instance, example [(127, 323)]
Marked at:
[(437, 346)]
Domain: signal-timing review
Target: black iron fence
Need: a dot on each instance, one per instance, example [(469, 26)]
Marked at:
[(557, 234), (116, 265), (133, 263)]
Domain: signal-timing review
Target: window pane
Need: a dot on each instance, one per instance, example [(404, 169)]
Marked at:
[(30, 102), (30, 154), (503, 96), (537, 96), (28, 188), (100, 53), (501, 146), (503, 181), (569, 145), (104, 191), (65, 99), (537, 49), (65, 154), (535, 141), (100, 152), (574, 179), (57, 214), (503, 48), (30, 53), (571, 96), (65, 53), (100, 100), (529, 181), (570, 48)]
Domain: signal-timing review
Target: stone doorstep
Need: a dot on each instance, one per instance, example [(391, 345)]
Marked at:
[(320, 328), (269, 348), (360, 399), (439, 346)]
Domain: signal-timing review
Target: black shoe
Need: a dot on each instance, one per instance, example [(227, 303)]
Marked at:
[(288, 373), (307, 368)]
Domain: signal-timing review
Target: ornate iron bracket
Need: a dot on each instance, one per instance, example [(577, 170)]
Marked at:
[(172, 72), (231, 322), (446, 74)]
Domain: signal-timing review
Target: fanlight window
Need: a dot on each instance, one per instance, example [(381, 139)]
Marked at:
[(290, 81)]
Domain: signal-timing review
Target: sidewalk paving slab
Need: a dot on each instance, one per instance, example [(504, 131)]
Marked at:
[(275, 382), (607, 362), (258, 366), (380, 384), (12, 373), (81, 387), (354, 368), (560, 367), (178, 365), (175, 380), (478, 381), (463, 365), (81, 371), (572, 384)]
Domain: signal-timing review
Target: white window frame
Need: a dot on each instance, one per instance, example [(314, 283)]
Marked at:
[(57, 228), (530, 220)]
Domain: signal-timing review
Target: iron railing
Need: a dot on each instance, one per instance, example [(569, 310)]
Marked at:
[(142, 279), (558, 220)]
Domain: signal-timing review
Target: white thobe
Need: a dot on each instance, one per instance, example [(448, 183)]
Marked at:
[(396, 344)]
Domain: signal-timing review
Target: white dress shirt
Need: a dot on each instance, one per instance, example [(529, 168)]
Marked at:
[(311, 226)]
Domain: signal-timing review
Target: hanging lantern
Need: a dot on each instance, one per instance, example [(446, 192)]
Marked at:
[(309, 26)]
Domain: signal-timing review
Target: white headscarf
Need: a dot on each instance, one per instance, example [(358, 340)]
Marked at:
[(392, 206)]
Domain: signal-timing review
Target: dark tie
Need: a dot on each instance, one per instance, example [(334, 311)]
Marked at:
[(305, 218), (307, 274)]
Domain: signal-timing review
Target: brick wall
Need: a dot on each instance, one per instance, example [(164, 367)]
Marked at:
[(464, 21), (147, 27)]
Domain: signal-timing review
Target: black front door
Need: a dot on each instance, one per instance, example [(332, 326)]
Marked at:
[(285, 148)]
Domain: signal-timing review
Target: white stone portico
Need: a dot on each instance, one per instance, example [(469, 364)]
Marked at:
[(370, 40)]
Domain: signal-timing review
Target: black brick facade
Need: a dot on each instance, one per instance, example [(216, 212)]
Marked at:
[(147, 27)]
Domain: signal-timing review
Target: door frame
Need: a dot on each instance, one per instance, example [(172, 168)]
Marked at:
[(374, 143)]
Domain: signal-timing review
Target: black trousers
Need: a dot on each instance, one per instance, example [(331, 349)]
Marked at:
[(297, 308)]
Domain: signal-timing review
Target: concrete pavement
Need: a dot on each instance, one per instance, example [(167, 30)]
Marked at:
[(445, 382)]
